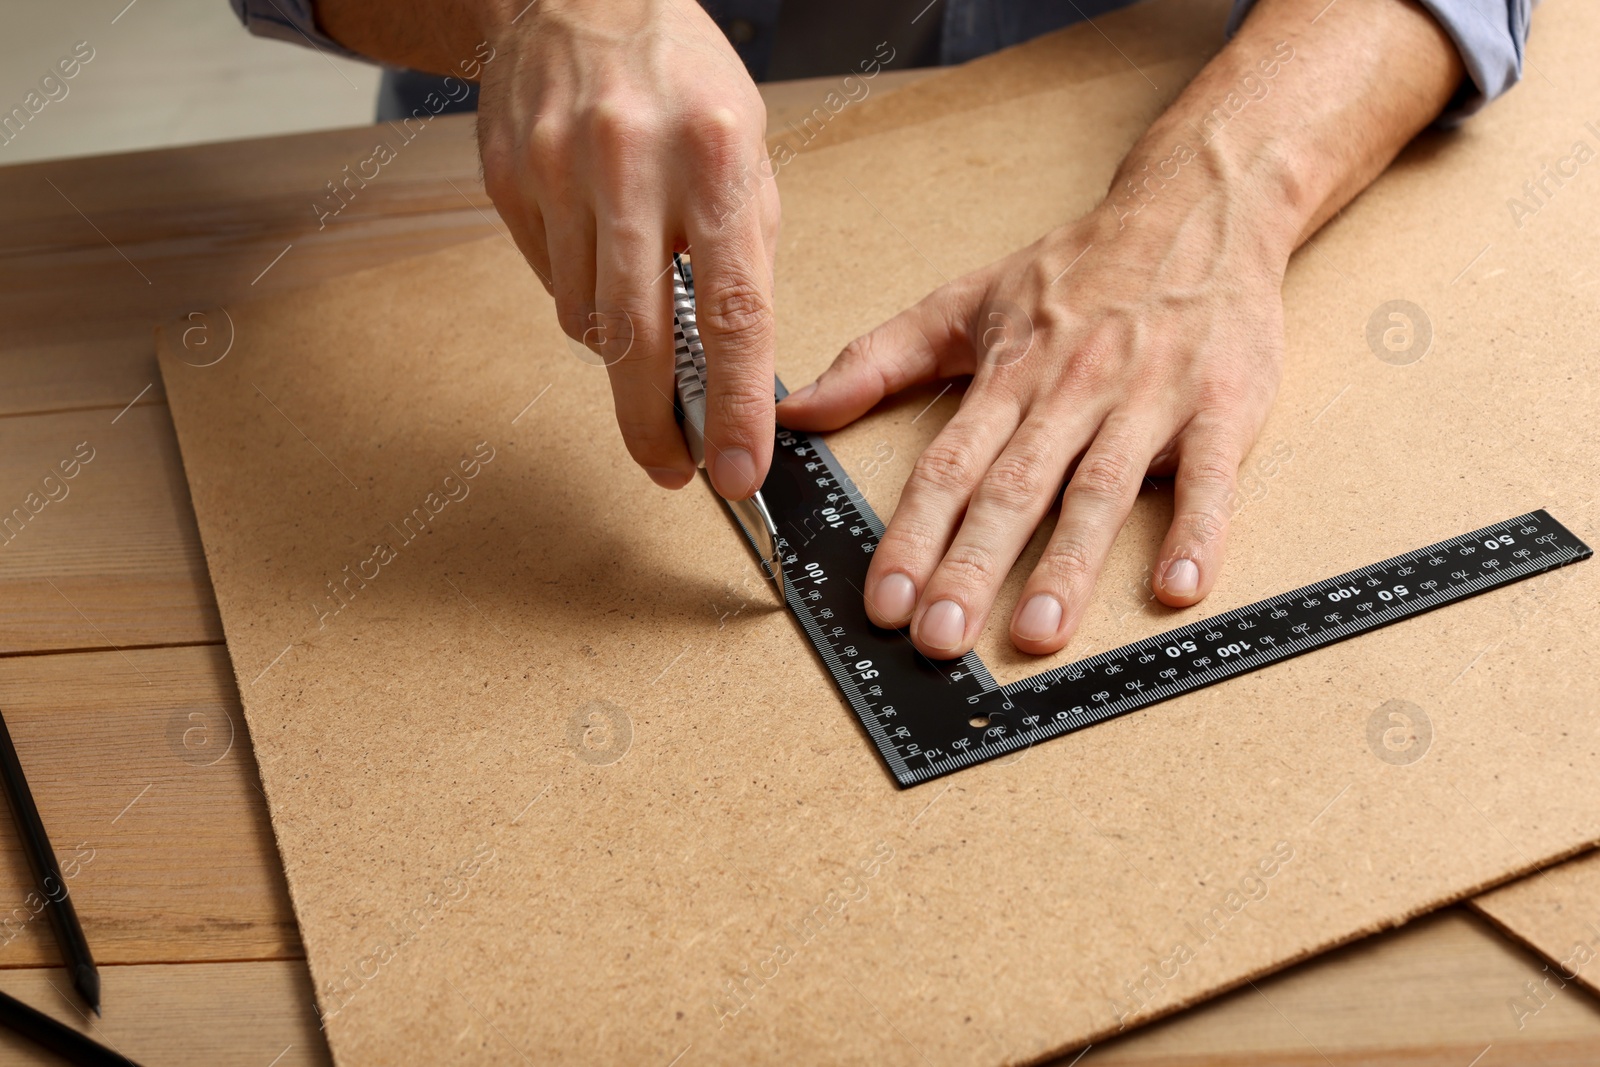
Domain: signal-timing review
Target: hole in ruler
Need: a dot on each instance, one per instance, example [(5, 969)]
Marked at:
[(979, 721)]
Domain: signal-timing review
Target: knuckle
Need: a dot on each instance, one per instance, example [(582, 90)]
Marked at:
[(858, 352), (863, 356), (719, 135), (1091, 362), (738, 311), (1215, 392), (1066, 565), (1107, 473), (739, 407), (626, 334), (573, 314), (945, 466), (1212, 472), (630, 240), (968, 567), (1014, 483), (547, 143), (907, 539), (1205, 520), (1204, 526)]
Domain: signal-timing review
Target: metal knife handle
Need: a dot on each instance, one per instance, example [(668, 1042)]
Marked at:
[(689, 360)]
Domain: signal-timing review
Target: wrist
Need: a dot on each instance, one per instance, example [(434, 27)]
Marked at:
[(1234, 139), (1257, 187)]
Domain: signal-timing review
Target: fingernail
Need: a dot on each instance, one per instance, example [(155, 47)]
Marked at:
[(894, 598), (1039, 619), (666, 477), (734, 472), (801, 394), (1182, 577), (943, 626)]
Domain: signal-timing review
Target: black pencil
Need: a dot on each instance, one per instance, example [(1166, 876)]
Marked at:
[(47, 874), (64, 1041)]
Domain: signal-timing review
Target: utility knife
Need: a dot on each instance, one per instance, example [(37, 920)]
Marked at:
[(689, 375)]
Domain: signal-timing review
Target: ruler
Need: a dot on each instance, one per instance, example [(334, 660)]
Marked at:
[(928, 718)]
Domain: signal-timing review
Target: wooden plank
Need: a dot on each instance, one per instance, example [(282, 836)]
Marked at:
[(233, 187), (198, 1015), (1435, 992), (1557, 914), (96, 251), (89, 294), (109, 557), (69, 374), (143, 770)]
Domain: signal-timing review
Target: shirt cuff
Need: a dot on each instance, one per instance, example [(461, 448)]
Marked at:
[(289, 20), (1489, 34)]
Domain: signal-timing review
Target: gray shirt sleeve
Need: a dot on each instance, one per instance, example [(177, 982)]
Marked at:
[(289, 20), (1489, 34)]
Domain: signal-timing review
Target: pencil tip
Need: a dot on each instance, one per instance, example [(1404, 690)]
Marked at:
[(88, 983)]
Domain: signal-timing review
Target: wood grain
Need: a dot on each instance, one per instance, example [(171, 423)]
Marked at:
[(108, 557), (194, 1015), (1556, 915), (140, 762)]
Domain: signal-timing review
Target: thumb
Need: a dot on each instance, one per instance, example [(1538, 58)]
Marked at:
[(930, 340)]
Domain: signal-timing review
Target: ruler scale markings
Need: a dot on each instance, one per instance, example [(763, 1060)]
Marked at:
[(928, 719)]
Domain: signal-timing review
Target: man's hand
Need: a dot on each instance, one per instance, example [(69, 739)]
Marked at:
[(1144, 338), (1147, 349), (613, 133)]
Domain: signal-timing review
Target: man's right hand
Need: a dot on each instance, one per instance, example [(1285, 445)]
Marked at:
[(613, 133)]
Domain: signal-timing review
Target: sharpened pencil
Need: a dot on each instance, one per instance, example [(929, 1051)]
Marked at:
[(47, 874)]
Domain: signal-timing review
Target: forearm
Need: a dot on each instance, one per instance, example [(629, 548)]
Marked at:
[(1302, 109), (431, 35)]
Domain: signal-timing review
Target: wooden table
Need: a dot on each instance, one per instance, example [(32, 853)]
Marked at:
[(118, 689)]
